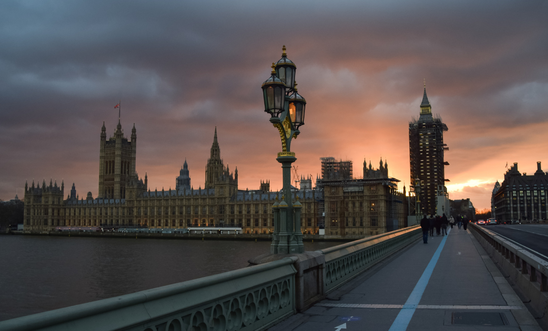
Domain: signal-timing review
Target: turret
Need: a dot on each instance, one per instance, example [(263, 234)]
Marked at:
[(182, 182), (103, 132)]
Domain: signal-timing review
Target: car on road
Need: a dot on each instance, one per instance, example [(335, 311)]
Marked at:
[(491, 221), (480, 222)]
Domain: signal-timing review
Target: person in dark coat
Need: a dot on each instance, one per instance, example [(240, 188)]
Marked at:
[(437, 223), (431, 225), (425, 226), (444, 225), (465, 222)]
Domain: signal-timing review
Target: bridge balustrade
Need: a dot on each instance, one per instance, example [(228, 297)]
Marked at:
[(526, 270), (346, 261), (252, 298)]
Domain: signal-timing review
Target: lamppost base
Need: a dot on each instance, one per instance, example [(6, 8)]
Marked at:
[(287, 239)]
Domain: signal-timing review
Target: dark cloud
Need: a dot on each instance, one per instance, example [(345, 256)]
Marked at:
[(183, 68)]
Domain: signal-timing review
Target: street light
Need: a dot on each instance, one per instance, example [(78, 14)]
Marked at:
[(417, 199), (286, 108)]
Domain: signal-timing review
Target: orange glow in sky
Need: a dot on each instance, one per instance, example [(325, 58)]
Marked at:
[(182, 69)]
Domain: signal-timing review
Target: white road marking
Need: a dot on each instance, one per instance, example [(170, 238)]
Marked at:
[(386, 306), (340, 327)]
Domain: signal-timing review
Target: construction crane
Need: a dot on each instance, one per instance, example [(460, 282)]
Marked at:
[(295, 176)]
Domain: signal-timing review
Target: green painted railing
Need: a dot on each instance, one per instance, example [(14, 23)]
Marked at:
[(252, 298), (346, 261)]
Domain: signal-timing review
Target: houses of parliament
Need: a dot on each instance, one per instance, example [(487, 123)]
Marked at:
[(338, 203)]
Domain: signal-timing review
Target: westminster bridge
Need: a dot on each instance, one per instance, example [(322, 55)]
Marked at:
[(391, 281)]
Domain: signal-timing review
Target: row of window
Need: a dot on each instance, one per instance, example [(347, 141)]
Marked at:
[(160, 223)]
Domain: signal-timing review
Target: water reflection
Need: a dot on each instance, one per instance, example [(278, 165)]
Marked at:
[(44, 273)]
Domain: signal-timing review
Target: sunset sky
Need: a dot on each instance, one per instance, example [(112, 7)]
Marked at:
[(182, 68)]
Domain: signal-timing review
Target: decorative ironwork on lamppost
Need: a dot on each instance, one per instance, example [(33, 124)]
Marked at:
[(286, 108)]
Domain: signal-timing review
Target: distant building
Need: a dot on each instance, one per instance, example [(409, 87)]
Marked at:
[(367, 206), (462, 207), (333, 169), (426, 154), (496, 188), (11, 214), (125, 201), (521, 197), (351, 206)]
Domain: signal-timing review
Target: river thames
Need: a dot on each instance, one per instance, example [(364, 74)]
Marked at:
[(40, 273)]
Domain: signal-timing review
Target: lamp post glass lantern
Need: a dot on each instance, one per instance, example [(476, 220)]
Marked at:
[(286, 108), (274, 94)]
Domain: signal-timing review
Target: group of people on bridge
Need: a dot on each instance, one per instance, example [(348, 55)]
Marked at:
[(439, 224)]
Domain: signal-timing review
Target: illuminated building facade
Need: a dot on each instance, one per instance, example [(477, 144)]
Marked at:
[(426, 154), (367, 206), (344, 205), (521, 197), (125, 201)]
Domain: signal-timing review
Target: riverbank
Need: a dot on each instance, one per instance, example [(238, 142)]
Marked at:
[(243, 237)]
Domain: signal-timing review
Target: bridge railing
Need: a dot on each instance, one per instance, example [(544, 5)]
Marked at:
[(251, 298), (346, 261), (527, 271), (245, 299)]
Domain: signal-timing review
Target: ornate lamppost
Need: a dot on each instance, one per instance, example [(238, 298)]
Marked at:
[(286, 108), (418, 210)]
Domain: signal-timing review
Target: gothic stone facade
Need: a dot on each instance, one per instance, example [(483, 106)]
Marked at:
[(361, 207), (367, 206), (125, 201)]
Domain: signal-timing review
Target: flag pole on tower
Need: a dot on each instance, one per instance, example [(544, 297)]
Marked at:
[(119, 106)]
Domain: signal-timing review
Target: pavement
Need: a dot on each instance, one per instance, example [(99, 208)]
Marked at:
[(450, 283)]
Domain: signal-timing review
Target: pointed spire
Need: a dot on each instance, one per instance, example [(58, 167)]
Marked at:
[(215, 153), (426, 108), (425, 102)]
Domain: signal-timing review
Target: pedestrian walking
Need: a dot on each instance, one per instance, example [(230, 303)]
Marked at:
[(465, 222), (444, 225), (452, 221), (459, 221), (425, 226), (431, 225), (437, 222)]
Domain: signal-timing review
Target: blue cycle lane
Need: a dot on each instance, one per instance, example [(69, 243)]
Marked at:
[(421, 288)]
